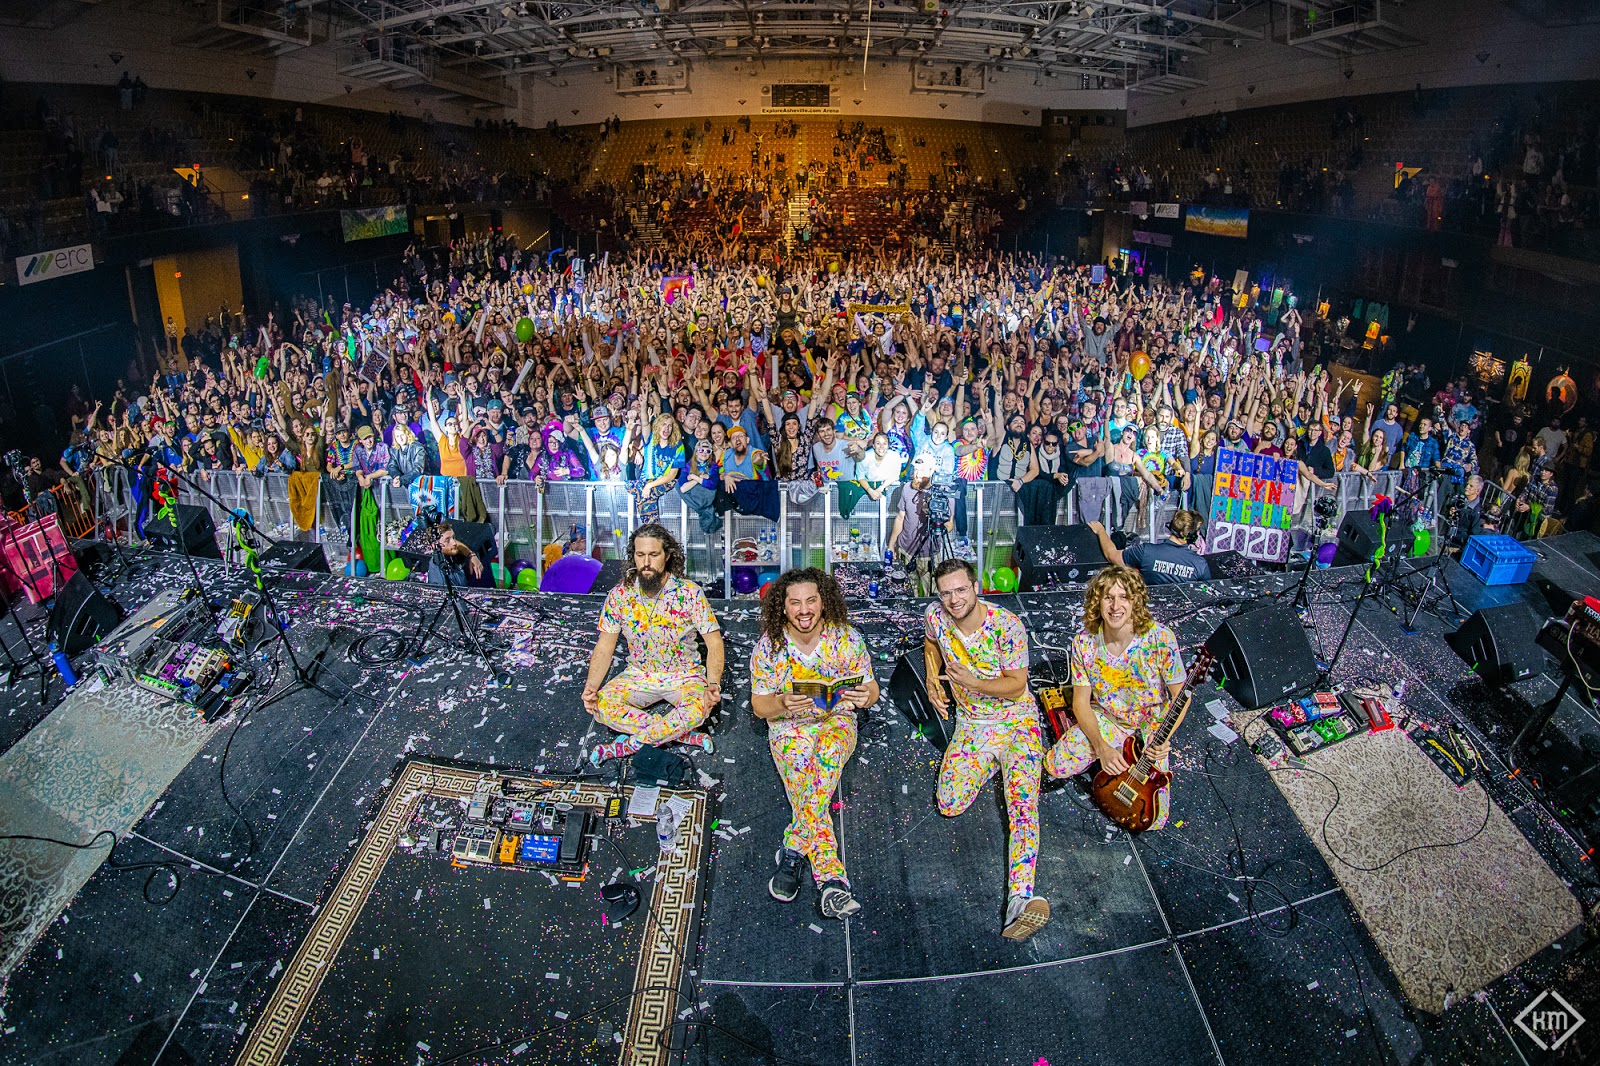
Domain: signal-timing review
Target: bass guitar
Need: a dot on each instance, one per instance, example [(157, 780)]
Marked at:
[(1129, 798)]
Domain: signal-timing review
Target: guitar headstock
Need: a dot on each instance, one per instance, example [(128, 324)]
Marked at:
[(1202, 668)]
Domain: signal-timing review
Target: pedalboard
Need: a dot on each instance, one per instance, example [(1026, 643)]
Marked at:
[(499, 830)]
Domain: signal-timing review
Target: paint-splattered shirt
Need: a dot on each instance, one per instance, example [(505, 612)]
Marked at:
[(1000, 643), (660, 629), (1130, 687), (840, 654)]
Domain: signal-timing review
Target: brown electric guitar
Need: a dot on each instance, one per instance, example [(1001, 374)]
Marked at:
[(1129, 798)]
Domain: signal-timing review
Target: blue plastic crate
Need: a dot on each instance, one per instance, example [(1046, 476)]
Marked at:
[(1498, 559)]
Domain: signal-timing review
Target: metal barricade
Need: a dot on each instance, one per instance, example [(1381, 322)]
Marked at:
[(810, 530)]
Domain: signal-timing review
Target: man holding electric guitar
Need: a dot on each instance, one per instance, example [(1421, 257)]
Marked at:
[(1129, 693)]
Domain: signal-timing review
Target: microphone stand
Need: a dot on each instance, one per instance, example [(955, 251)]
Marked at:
[(305, 673), (177, 531), (124, 565), (1375, 581)]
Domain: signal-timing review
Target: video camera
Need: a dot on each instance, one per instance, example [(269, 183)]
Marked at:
[(938, 503)]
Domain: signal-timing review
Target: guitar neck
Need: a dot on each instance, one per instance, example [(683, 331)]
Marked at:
[(1170, 722)]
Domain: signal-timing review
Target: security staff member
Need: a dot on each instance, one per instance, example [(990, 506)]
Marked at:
[(1171, 562)]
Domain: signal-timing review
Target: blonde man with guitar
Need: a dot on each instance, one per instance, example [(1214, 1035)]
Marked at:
[(1127, 683)]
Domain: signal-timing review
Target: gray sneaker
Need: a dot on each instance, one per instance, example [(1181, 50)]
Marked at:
[(785, 884), (1025, 915), (837, 902)]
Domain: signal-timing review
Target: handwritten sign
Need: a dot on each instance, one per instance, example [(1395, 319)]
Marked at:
[(1252, 505)]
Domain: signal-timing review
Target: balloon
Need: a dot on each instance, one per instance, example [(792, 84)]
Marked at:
[(396, 570), (767, 577), (449, 316), (744, 580), (1139, 365), (763, 591), (527, 290), (1005, 579), (524, 330), (497, 572), (528, 579), (1423, 539), (262, 365)]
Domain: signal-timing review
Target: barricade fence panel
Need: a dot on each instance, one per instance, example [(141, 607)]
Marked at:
[(810, 529)]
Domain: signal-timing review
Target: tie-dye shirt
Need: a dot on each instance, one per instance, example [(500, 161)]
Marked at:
[(660, 629), (1131, 687), (840, 654), (1000, 643)]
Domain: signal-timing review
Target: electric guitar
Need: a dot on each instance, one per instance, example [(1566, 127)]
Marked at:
[(1129, 798)]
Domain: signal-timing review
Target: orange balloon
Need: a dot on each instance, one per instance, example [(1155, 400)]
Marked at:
[(1139, 365)]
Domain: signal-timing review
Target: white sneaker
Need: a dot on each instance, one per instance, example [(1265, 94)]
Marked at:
[(1025, 915)]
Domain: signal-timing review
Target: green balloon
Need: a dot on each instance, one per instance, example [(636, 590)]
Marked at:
[(524, 330), (498, 574), (1005, 580), (262, 366), (528, 580), (1423, 540), (396, 569)]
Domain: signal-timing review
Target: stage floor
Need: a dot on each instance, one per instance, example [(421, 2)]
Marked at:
[(1156, 949)]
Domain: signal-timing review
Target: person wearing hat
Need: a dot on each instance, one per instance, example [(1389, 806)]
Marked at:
[(369, 460), (604, 428)]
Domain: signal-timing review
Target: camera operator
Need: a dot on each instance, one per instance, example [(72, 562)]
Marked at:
[(1171, 562), (921, 502)]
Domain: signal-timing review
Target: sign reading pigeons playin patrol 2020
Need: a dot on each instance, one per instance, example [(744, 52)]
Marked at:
[(42, 266), (1252, 505)]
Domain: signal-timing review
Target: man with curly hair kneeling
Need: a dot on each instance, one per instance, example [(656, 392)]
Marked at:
[(1125, 669), (809, 675), (660, 611)]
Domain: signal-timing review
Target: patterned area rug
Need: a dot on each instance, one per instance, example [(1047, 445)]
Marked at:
[(1447, 919), (98, 761)]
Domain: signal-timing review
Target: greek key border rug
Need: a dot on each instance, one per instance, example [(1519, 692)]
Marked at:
[(658, 971)]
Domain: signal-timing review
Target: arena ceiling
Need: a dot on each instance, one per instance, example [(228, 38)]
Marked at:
[(1113, 43)]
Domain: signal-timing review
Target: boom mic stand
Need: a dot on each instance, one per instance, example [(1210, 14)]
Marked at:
[(1380, 581), (305, 673), (156, 466), (453, 600)]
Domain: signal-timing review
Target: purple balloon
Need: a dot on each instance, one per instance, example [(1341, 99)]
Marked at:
[(1326, 553), (745, 580), (572, 574)]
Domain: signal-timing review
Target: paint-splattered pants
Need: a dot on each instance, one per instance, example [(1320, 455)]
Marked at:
[(810, 754), (624, 698), (1013, 747), (1072, 754)]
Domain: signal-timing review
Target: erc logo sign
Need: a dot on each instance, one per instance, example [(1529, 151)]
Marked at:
[(46, 265), (1549, 1020)]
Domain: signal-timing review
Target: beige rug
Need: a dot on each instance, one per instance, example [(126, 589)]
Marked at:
[(1448, 920), (96, 762)]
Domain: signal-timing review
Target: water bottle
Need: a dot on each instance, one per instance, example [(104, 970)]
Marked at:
[(63, 667), (666, 827)]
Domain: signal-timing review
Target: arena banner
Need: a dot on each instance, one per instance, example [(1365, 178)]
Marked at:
[(42, 266), (1252, 505), (1160, 240), (1218, 221), (363, 223), (1166, 210)]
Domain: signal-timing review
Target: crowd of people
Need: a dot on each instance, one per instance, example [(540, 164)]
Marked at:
[(733, 380)]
